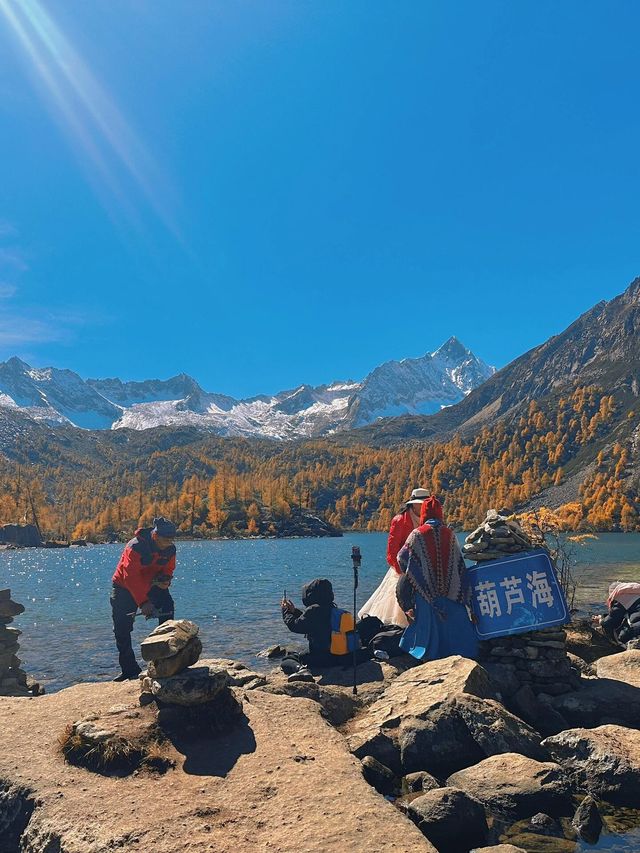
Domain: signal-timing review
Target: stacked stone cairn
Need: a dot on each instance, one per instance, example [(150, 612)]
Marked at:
[(13, 680), (197, 698), (523, 664), (499, 535)]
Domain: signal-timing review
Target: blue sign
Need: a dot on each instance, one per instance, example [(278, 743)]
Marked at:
[(515, 594)]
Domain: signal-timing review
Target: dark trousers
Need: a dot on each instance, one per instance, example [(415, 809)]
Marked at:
[(123, 606)]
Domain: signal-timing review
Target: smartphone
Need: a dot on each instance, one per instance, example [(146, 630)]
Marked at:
[(284, 595)]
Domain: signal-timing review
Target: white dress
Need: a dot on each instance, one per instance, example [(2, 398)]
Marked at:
[(383, 602)]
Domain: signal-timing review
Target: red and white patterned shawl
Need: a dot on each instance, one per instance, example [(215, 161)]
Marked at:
[(434, 564)]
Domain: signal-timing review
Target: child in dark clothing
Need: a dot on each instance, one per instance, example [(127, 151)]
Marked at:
[(329, 630)]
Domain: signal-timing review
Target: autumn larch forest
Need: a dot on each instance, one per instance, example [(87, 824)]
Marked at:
[(237, 487)]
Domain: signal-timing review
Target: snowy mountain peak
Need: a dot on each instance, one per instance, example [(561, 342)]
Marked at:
[(411, 386), (453, 349)]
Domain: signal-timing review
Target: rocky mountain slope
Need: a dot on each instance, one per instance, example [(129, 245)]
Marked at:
[(601, 347), (420, 385)]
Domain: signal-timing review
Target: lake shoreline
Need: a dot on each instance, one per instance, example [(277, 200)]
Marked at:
[(231, 587)]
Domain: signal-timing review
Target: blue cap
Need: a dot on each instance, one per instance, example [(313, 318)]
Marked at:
[(165, 528)]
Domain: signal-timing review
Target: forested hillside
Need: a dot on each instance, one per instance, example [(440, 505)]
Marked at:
[(576, 453)]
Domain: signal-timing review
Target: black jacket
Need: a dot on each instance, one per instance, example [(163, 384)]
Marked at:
[(315, 621), (622, 624)]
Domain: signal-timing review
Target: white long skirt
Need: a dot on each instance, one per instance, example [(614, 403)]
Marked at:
[(383, 602)]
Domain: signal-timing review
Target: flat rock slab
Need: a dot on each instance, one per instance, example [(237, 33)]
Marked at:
[(337, 705), (516, 786), (187, 656), (604, 761), (168, 639), (239, 674), (193, 686), (284, 782), (622, 667)]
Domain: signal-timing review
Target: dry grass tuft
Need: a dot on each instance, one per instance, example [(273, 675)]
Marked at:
[(116, 756)]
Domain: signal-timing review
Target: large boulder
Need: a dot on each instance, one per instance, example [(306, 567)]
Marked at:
[(621, 667), (604, 761), (440, 717), (516, 786), (168, 639), (599, 701), (451, 819)]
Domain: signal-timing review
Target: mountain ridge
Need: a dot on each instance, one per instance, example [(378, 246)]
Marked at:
[(417, 385), (602, 345), (557, 428)]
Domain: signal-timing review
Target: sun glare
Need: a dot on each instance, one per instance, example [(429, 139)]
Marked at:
[(112, 151)]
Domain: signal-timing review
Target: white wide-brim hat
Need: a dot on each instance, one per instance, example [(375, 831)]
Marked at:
[(418, 496)]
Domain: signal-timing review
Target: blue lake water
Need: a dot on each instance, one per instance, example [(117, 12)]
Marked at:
[(232, 589)]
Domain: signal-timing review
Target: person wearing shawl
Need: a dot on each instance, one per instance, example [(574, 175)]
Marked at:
[(433, 590), (622, 622)]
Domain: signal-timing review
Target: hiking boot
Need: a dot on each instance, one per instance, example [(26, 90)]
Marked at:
[(302, 674), (127, 677)]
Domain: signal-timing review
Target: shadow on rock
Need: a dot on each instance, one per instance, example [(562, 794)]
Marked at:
[(216, 754), (367, 672), (598, 701)]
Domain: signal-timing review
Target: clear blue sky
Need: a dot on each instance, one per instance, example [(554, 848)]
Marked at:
[(267, 193)]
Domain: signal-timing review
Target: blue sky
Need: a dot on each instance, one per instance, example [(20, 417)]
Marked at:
[(267, 193)]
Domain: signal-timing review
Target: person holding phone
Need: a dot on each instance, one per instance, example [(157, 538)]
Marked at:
[(329, 630)]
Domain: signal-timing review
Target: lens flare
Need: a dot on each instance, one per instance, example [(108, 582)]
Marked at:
[(88, 114)]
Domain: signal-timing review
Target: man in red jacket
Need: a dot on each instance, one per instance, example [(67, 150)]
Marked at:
[(142, 579)]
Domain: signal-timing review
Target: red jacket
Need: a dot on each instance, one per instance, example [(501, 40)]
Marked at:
[(401, 527), (141, 562)]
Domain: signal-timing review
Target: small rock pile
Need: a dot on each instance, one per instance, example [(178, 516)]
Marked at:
[(497, 536), (171, 647), (188, 697), (536, 660), (13, 680)]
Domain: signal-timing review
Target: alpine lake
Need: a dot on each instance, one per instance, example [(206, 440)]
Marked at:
[(232, 590)]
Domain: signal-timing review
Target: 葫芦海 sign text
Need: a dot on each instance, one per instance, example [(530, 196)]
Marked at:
[(516, 593)]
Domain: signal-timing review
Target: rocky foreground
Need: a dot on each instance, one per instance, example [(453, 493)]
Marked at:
[(308, 767)]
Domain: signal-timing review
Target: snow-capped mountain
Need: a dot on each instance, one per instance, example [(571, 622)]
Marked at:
[(411, 386), (56, 396)]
